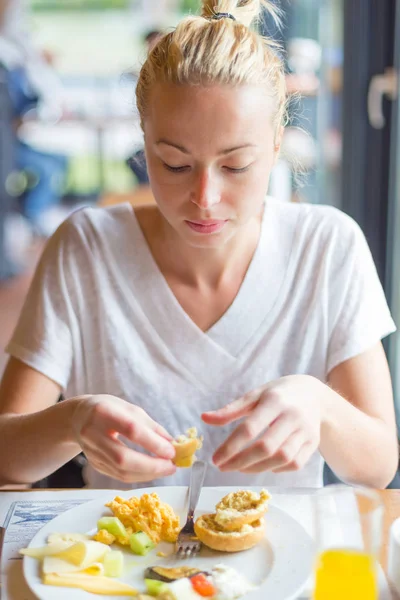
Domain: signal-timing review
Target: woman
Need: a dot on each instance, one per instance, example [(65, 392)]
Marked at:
[(259, 322)]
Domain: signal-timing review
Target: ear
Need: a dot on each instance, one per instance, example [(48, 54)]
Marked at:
[(278, 142)]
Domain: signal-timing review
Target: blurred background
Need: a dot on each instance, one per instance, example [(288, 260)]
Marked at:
[(70, 136)]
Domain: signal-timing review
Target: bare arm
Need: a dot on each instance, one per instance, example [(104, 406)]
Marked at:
[(36, 437), (286, 420), (358, 433)]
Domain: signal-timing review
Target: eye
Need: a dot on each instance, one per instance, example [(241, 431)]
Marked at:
[(242, 170), (175, 169)]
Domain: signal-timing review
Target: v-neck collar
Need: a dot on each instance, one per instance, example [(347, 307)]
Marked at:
[(222, 345)]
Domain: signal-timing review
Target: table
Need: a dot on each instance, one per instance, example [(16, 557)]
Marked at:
[(390, 498)]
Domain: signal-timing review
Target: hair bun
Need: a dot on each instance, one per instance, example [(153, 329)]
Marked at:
[(244, 11)]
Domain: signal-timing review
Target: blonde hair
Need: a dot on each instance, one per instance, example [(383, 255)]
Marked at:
[(205, 51)]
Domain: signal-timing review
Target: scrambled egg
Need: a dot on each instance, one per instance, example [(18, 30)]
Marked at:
[(147, 514), (104, 537)]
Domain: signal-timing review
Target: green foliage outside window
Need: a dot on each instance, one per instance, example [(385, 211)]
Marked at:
[(62, 5), (190, 6)]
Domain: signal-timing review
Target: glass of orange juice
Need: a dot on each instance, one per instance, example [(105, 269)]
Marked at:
[(348, 525)]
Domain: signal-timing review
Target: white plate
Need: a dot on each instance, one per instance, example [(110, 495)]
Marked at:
[(280, 564)]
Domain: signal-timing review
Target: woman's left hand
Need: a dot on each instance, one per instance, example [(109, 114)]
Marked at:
[(281, 428)]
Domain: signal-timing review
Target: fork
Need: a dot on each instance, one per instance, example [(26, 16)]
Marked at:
[(187, 544)]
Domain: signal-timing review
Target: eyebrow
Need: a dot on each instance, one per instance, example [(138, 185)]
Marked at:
[(185, 151)]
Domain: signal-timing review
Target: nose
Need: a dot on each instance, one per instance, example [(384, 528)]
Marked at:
[(205, 192)]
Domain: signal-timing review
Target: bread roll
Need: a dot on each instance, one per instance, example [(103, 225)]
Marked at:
[(210, 534), (185, 448), (241, 508)]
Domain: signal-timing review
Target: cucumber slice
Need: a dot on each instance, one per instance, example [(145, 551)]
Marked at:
[(113, 563), (113, 525), (155, 588), (141, 543)]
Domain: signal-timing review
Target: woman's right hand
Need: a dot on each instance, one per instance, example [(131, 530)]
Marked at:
[(98, 423)]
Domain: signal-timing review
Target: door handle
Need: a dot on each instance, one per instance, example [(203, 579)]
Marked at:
[(383, 85)]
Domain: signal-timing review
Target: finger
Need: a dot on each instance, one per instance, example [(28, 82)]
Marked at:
[(125, 477), (159, 429), (264, 448), (232, 412), (127, 464), (261, 417), (134, 429), (299, 461), (284, 455), (156, 427)]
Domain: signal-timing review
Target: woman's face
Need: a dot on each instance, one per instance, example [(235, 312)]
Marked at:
[(210, 151)]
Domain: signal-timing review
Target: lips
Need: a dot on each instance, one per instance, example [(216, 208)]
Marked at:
[(206, 226), (207, 223)]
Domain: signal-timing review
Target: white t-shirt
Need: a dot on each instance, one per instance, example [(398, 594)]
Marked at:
[(101, 319)]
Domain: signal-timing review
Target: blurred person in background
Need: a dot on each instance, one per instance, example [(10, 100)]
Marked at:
[(35, 91), (137, 162)]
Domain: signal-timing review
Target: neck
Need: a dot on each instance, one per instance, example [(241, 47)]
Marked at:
[(202, 267)]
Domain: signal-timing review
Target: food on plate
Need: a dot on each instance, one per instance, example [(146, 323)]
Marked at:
[(203, 585), (155, 587), (96, 585), (43, 551), (80, 561), (105, 537), (185, 447), (183, 589), (79, 554), (229, 583), (171, 574), (211, 534), (148, 514), (53, 564), (83, 564), (238, 523), (112, 525), (54, 538), (113, 563), (222, 583), (241, 508), (84, 554), (141, 543)]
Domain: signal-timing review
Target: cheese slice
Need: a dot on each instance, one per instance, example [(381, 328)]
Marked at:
[(96, 585), (53, 564), (84, 554), (54, 538), (50, 550)]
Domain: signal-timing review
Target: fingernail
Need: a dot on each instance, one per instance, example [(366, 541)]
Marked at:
[(168, 451)]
